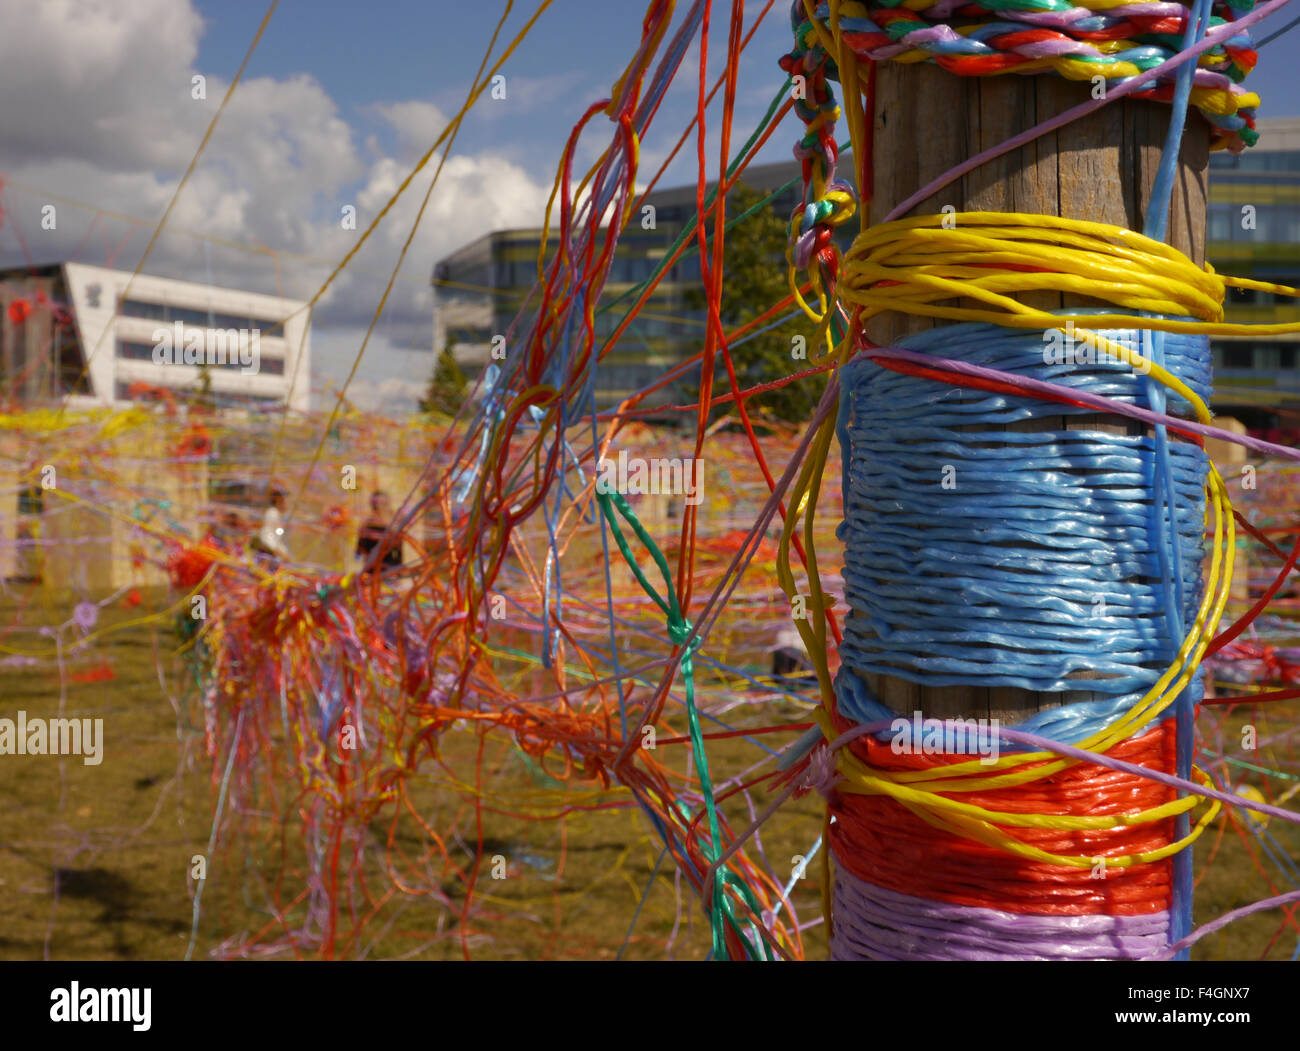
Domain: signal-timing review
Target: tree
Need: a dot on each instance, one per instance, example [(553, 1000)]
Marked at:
[(753, 280), (447, 386), (203, 388)]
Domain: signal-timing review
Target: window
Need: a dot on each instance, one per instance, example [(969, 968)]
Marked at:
[(1241, 356), (188, 315), (31, 500), (631, 269), (688, 270), (139, 308), (134, 351), (1257, 160), (468, 335), (474, 277), (267, 327), (1276, 223), (1276, 161), (237, 321), (503, 274), (1220, 223), (236, 400), (1286, 357)]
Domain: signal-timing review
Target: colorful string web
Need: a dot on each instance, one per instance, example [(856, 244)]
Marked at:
[(550, 650)]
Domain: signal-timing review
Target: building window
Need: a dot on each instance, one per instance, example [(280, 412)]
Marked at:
[(1286, 357), (468, 335), (503, 274), (134, 351), (189, 316), (1220, 223), (687, 271), (139, 308), (1239, 357), (164, 312), (1280, 223), (31, 500)]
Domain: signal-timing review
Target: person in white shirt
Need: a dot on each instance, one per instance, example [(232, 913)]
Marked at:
[(270, 542)]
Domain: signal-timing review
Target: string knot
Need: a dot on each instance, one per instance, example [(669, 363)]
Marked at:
[(680, 631), (821, 773)]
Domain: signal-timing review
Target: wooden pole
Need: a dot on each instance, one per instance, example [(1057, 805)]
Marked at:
[(1100, 168)]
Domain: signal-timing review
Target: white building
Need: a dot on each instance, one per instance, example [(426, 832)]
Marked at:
[(99, 337)]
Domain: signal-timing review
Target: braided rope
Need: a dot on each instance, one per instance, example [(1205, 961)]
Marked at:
[(1098, 38)]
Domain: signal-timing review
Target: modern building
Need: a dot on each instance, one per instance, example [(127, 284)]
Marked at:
[(1254, 232), (97, 336), (480, 289)]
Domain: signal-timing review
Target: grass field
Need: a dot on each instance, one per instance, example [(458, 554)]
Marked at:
[(95, 860)]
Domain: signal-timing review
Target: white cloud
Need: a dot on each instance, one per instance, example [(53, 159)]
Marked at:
[(391, 397), (98, 81), (106, 117), (417, 124)]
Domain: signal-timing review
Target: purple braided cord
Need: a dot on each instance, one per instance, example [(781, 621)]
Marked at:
[(872, 923)]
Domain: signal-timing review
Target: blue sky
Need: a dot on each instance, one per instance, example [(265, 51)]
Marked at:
[(339, 100), (430, 49), (407, 49)]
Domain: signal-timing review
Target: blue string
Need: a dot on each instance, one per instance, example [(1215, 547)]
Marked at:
[(1046, 528), (1156, 227)]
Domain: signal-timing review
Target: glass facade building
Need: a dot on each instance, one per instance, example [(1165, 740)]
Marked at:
[(1254, 232), (481, 289)]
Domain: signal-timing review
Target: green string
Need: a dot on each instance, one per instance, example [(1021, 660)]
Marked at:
[(1252, 766), (682, 634)]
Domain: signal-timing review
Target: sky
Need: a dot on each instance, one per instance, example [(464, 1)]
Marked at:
[(339, 101)]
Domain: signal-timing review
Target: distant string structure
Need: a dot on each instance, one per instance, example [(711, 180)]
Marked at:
[(550, 647)]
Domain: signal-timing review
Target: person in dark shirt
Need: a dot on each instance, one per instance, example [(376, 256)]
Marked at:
[(374, 531)]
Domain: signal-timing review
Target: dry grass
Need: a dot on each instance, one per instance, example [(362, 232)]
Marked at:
[(94, 861)]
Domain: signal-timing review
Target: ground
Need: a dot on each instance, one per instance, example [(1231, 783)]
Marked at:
[(95, 861)]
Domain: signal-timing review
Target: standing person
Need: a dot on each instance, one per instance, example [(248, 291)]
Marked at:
[(375, 530), (225, 534), (269, 542)]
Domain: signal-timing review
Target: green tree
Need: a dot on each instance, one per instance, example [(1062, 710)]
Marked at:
[(753, 280), (203, 385), (447, 386)]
